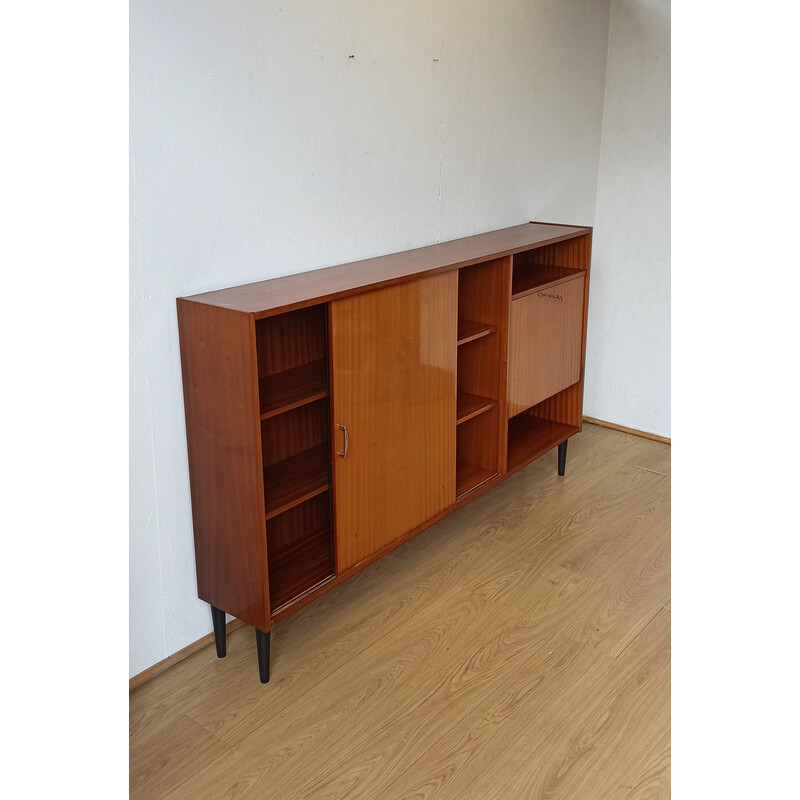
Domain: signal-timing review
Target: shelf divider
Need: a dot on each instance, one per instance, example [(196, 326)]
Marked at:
[(530, 437), (470, 405), (468, 330), (292, 388), (296, 479)]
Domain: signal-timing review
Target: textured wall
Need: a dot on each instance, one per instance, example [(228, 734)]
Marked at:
[(270, 138), (628, 343)]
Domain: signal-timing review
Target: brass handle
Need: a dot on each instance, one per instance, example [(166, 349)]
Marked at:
[(346, 441), (553, 296)]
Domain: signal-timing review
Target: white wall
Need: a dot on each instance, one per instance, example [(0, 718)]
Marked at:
[(628, 341), (260, 147)]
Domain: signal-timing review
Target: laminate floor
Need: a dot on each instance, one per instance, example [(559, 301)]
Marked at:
[(519, 648)]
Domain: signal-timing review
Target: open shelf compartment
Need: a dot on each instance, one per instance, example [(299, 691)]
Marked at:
[(296, 479), (468, 330), (530, 436), (294, 405), (542, 268), (482, 324), (293, 387), (470, 405), (292, 355), (476, 452), (530, 278), (300, 549)]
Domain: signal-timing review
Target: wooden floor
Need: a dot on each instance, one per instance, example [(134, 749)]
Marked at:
[(520, 648)]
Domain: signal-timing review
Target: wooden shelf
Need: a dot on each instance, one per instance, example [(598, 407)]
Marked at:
[(300, 567), (468, 331), (534, 277), (469, 477), (470, 405), (293, 388), (530, 437), (296, 479)]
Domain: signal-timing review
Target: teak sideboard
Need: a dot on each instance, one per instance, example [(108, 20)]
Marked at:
[(334, 414)]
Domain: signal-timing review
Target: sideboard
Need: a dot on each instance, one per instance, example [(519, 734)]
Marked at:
[(334, 414)]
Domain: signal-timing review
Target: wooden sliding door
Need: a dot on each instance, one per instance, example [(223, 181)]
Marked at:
[(393, 367)]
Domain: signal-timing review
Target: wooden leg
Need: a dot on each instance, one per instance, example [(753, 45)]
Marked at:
[(218, 618), (262, 646), (562, 456)]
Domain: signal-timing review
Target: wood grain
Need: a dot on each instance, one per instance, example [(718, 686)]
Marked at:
[(518, 649), (279, 295), (544, 344), (297, 386), (469, 331), (529, 437), (470, 405), (220, 392), (394, 389), (278, 351), (535, 277), (483, 300), (290, 340), (567, 405), (601, 451), (478, 459)]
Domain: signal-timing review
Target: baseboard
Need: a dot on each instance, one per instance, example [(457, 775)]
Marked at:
[(151, 672), (614, 426)]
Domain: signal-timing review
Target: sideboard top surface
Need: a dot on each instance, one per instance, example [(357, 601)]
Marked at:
[(269, 297)]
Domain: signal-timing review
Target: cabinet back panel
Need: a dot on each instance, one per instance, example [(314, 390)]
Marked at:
[(572, 253), (300, 549), (479, 367), (565, 406), (477, 441), (481, 291), (294, 431), (289, 340)]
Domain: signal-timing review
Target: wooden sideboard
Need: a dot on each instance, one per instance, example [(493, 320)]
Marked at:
[(334, 414)]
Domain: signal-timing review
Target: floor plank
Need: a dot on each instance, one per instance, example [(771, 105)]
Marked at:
[(519, 647)]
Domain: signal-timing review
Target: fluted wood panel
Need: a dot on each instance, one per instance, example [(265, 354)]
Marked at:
[(394, 389)]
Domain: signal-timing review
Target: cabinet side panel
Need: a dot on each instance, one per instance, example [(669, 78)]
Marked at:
[(220, 391)]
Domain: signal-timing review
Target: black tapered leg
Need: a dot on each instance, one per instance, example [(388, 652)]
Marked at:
[(218, 618), (262, 645), (562, 456)]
